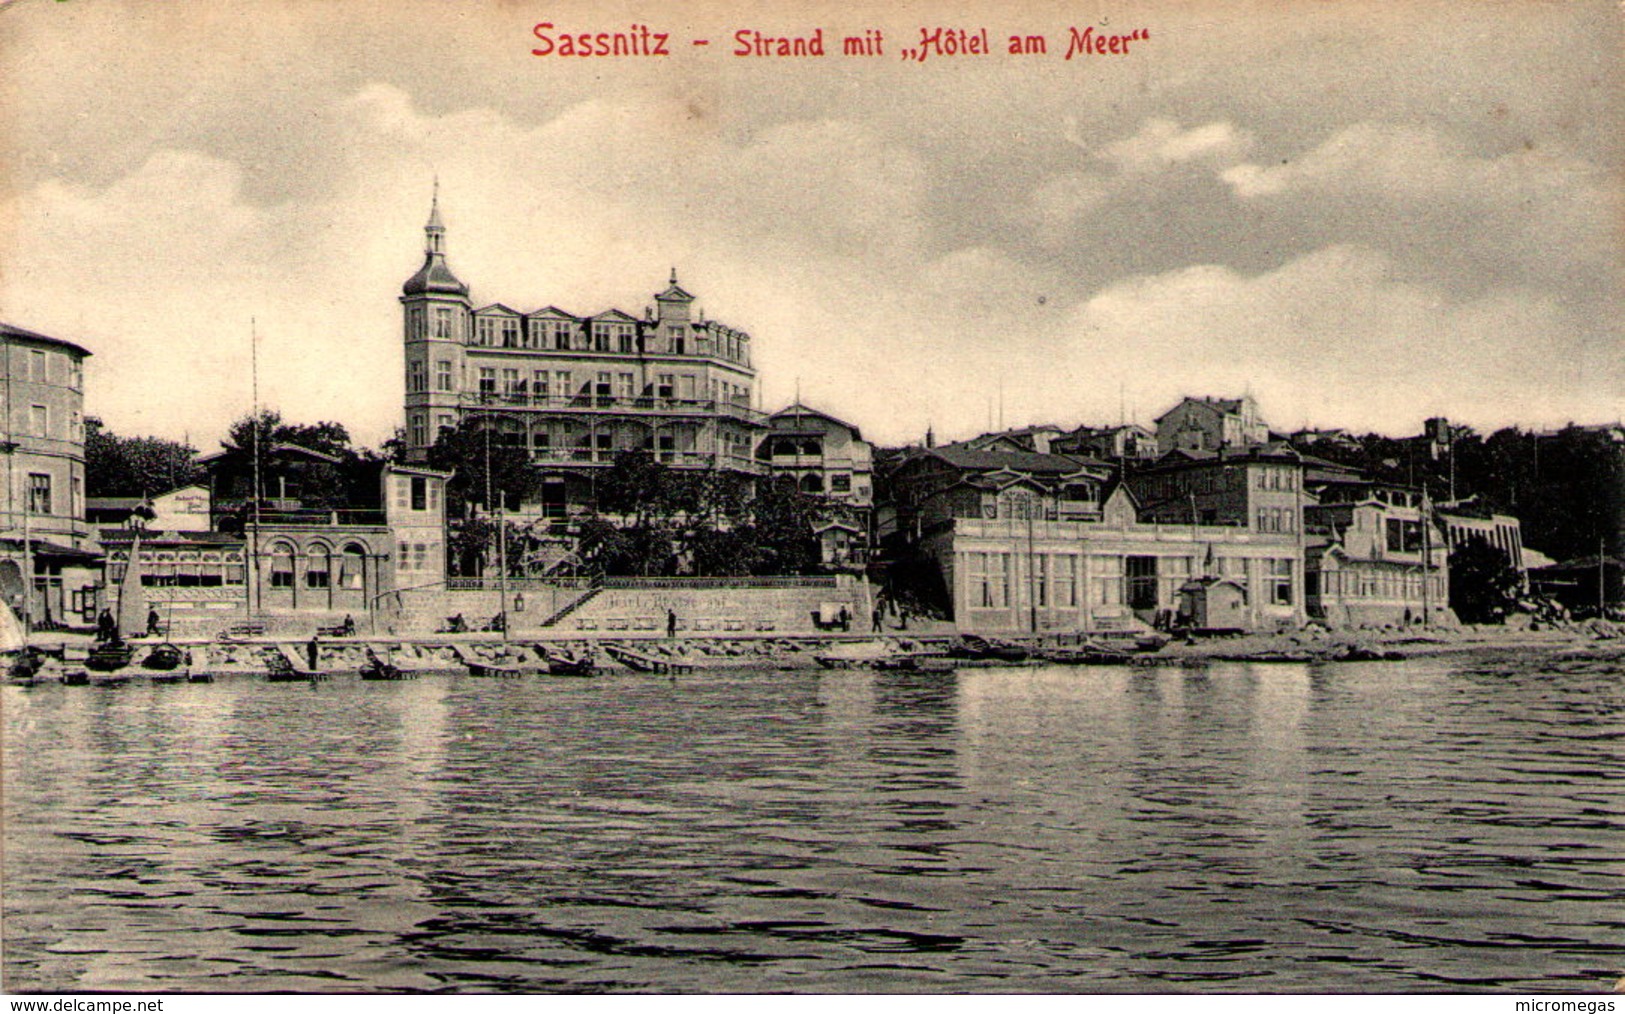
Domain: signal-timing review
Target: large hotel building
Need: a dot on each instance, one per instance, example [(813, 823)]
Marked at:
[(574, 391)]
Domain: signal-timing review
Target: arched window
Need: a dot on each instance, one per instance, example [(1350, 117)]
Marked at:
[(352, 567), (318, 567), (281, 565), (812, 483)]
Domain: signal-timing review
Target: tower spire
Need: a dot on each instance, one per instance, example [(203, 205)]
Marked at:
[(434, 233)]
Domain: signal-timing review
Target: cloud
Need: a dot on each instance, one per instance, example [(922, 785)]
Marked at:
[(1340, 336), (1161, 144)]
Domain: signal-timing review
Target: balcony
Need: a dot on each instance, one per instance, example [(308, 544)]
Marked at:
[(673, 459), (606, 404)]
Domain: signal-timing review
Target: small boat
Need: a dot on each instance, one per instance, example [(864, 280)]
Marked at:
[(25, 667), (1087, 654), (564, 663), (280, 670), (637, 661), (164, 658), (976, 648), (506, 670), (916, 663), (375, 668), (75, 678), (109, 656)]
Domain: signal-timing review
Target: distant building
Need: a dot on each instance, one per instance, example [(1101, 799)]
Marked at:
[(1211, 424), (45, 547), (1129, 442), (573, 391), (1032, 439), (1260, 488)]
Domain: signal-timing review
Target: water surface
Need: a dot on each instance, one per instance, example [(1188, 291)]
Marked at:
[(1438, 824)]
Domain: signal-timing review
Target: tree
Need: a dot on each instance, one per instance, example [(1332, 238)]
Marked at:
[(474, 455), (135, 466), (1484, 585)]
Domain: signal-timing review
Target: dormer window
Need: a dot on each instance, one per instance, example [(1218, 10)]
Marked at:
[(676, 338), (510, 332), (625, 339)]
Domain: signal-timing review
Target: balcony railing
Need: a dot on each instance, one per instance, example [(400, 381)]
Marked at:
[(674, 459), (614, 403)]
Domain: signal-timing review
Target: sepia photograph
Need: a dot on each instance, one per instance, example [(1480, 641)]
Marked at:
[(563, 497)]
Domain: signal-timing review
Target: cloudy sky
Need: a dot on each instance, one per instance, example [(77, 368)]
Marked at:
[(1365, 214)]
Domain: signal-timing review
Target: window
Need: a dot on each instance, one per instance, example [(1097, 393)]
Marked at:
[(840, 483), (442, 322), (281, 565), (602, 390), (510, 332), (623, 386), (561, 334), (512, 386), (414, 322), (76, 373), (352, 567), (625, 340), (600, 338), (1107, 572), (538, 385), (420, 429), (664, 388), (1040, 580), (1066, 581), (416, 376), (442, 375), (485, 331), (675, 338), (420, 493), (76, 494), (488, 381), (39, 493), (318, 568), (561, 384), (1281, 582), (446, 425), (39, 421)]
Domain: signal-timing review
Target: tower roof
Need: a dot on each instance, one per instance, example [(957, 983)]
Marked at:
[(674, 292), (435, 275)]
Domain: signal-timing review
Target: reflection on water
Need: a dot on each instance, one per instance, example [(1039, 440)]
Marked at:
[(1432, 825)]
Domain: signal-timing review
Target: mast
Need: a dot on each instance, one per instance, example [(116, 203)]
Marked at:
[(254, 516)]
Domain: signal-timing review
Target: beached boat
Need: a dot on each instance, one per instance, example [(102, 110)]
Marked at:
[(109, 656), (1087, 654), (375, 668), (922, 663), (279, 669), (637, 661), (972, 647), (565, 663), (164, 658)]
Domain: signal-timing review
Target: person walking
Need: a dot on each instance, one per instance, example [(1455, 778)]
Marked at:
[(876, 618)]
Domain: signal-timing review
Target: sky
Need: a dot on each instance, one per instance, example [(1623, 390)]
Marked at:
[(1363, 214)]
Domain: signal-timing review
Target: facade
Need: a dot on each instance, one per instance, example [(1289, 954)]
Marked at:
[(824, 455), (42, 492), (939, 484), (293, 562), (1376, 562), (186, 509), (1463, 521), (1211, 424), (1260, 489), (573, 391), (1109, 572)]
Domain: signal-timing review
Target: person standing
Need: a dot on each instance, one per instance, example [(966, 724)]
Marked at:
[(876, 618), (671, 623), (315, 651)]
